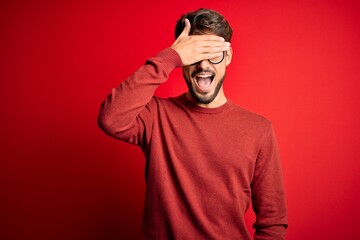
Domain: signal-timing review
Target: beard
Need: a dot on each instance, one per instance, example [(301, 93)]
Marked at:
[(204, 98)]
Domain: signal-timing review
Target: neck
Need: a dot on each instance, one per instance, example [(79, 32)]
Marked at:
[(217, 102)]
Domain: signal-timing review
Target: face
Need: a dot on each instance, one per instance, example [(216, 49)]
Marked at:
[(205, 79)]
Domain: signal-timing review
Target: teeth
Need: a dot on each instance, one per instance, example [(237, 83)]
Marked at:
[(204, 75)]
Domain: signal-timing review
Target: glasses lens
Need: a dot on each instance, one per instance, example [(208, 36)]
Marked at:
[(217, 60)]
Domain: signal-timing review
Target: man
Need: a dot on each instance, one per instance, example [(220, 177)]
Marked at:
[(206, 158)]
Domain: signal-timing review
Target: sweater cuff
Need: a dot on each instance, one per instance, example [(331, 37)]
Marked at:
[(170, 59)]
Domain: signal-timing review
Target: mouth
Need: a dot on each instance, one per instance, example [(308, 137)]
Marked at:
[(204, 80)]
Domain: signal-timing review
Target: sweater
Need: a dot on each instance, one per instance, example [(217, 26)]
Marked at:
[(204, 166)]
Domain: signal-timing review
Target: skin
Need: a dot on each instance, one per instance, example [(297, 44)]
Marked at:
[(198, 49)]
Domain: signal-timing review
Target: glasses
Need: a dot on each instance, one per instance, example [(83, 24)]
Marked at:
[(215, 60)]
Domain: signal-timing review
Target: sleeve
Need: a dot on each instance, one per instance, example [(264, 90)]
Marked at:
[(268, 195), (126, 112)]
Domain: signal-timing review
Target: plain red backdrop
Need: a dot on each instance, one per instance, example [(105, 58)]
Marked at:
[(295, 62)]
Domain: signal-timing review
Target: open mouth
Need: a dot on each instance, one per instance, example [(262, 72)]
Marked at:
[(204, 80)]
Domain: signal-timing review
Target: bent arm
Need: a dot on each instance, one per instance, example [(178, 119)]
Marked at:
[(119, 113), (268, 196)]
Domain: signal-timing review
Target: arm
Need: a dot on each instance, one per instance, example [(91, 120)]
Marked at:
[(119, 113), (268, 195)]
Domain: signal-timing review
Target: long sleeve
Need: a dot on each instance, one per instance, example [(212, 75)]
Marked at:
[(268, 192), (119, 113)]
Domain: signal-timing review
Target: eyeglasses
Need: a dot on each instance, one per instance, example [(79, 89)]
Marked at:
[(215, 60)]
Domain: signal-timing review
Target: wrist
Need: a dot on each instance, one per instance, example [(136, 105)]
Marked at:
[(170, 58)]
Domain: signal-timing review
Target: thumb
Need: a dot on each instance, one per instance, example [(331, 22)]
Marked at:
[(186, 29)]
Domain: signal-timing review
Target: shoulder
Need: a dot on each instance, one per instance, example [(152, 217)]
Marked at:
[(250, 118), (255, 126)]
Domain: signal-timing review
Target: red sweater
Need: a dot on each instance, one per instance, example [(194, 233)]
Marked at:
[(203, 165)]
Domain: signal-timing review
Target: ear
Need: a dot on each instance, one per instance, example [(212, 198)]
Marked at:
[(228, 56)]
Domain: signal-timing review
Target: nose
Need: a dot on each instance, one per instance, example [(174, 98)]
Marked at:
[(204, 64)]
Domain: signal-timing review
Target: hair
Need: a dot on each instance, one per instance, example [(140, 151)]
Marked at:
[(205, 21)]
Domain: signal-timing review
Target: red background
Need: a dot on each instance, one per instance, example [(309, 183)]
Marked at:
[(296, 62)]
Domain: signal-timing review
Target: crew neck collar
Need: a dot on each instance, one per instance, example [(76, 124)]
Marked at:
[(193, 107)]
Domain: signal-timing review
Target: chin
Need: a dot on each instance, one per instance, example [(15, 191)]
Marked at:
[(205, 98)]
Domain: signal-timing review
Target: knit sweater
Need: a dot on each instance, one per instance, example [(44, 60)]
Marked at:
[(203, 165)]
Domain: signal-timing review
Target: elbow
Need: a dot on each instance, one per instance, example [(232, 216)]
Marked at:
[(114, 127), (105, 123)]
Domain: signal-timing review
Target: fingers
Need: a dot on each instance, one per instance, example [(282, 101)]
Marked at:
[(186, 29), (211, 46), (211, 55), (207, 55)]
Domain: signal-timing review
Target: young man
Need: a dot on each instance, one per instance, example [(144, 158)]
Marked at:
[(206, 158)]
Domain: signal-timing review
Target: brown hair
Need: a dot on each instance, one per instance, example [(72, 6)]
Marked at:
[(205, 21)]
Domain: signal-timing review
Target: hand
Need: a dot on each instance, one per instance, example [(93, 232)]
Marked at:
[(195, 48)]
